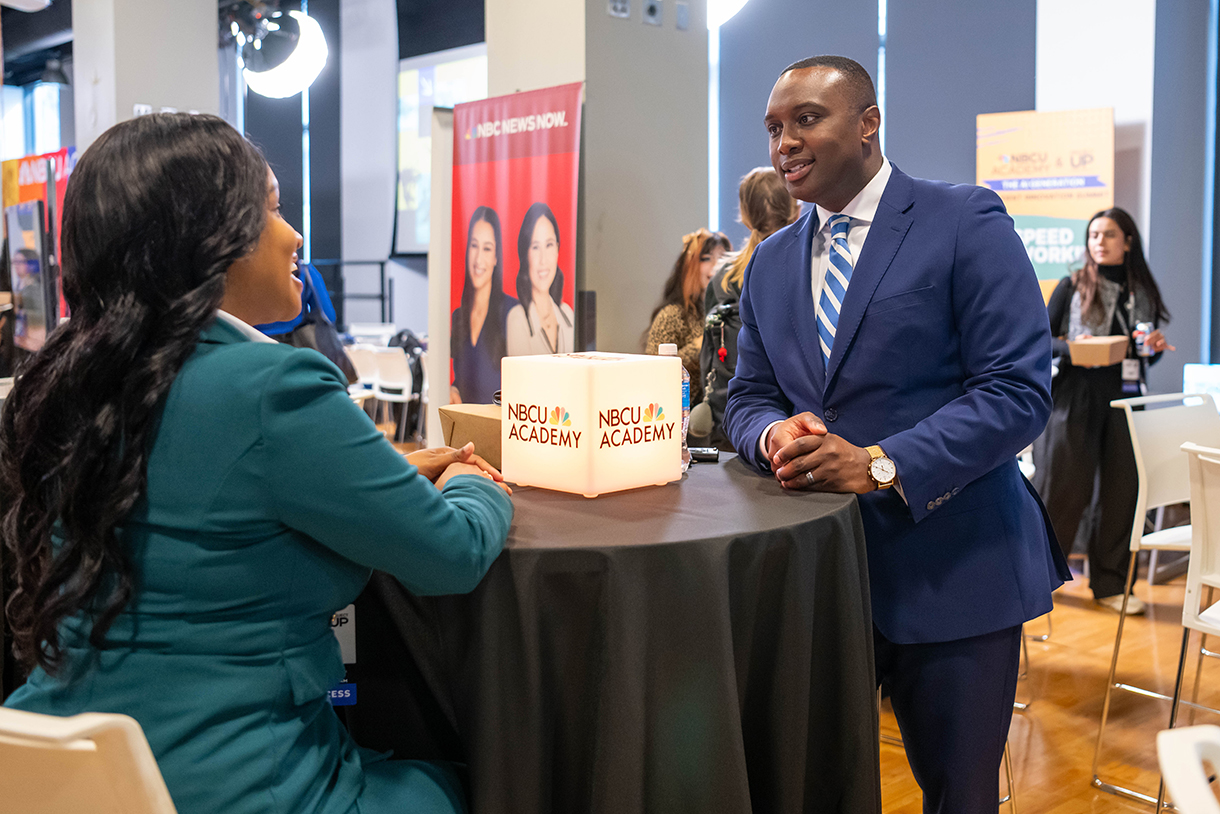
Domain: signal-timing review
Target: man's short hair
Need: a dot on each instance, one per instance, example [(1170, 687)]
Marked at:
[(859, 83)]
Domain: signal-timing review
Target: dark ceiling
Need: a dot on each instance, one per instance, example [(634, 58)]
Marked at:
[(424, 26), (26, 32), (31, 38)]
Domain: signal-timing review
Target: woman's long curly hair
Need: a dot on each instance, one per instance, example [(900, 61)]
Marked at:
[(155, 212)]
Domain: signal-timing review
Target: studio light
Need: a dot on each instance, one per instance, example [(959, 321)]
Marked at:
[(287, 58), (720, 12), (26, 5)]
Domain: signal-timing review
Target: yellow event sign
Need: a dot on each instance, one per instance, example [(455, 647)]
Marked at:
[(1053, 172)]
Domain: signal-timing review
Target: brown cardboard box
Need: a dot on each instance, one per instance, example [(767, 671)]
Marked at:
[(480, 423), (1098, 350)]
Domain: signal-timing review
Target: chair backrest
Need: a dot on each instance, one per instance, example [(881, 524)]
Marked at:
[(364, 359), (1204, 568), (1158, 432), (372, 333), (393, 369), (1181, 753), (94, 762)]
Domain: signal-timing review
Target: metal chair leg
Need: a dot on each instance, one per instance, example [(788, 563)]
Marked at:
[(1042, 637), (1173, 709), (399, 429), (1024, 672), (1011, 797), (1105, 704), (1176, 700), (1194, 694)]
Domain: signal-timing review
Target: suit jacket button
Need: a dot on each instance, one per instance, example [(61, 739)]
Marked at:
[(831, 414), (948, 495), (931, 505)]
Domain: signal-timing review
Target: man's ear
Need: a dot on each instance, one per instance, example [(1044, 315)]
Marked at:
[(870, 123)]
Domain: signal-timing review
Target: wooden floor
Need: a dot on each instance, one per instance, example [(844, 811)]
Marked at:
[(1052, 741)]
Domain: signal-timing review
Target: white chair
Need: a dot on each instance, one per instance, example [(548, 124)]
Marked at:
[(364, 359), (1157, 436), (1204, 572), (372, 333), (94, 762), (394, 383), (1181, 753)]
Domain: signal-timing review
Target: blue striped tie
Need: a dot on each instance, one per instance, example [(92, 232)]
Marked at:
[(838, 275)]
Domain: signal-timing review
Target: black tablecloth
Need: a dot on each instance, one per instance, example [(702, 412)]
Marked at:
[(704, 646)]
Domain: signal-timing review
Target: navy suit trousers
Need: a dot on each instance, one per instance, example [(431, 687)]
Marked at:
[(953, 701)]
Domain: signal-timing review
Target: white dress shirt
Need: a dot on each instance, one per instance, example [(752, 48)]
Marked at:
[(862, 210), (248, 331)]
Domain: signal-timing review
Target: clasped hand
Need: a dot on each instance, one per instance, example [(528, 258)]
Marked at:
[(439, 464), (801, 445)]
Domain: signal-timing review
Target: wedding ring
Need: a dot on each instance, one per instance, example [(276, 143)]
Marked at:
[(809, 477)]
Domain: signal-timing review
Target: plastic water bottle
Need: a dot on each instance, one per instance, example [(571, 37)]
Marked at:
[(670, 349)]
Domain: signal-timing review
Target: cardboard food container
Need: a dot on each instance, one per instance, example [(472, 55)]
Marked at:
[(462, 423), (591, 423), (1098, 351)]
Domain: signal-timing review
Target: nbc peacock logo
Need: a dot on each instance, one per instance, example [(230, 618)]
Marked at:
[(623, 426), (560, 417)]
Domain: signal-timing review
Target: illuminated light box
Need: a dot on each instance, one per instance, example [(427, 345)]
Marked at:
[(591, 423)]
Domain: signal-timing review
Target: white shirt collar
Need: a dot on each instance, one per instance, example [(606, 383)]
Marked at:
[(863, 207), (248, 331)]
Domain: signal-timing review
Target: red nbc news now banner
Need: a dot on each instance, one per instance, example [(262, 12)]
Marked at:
[(515, 176)]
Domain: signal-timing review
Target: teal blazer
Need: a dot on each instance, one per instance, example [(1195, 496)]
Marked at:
[(270, 497)]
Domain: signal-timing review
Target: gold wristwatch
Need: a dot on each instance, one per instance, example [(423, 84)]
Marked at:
[(881, 469)]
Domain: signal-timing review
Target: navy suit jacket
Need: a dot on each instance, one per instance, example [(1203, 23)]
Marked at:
[(942, 356)]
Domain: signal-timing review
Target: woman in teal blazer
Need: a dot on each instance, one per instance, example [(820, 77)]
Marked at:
[(187, 503)]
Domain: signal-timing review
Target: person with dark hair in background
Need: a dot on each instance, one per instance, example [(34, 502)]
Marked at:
[(1084, 464), (29, 300), (541, 322), (765, 207), (894, 345), (478, 329), (187, 502), (678, 319)]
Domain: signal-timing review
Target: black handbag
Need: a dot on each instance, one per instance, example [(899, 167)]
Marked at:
[(317, 331)]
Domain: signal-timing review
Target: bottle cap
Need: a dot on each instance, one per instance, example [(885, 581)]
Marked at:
[(667, 349)]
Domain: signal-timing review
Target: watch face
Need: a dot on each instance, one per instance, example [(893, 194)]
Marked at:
[(882, 470)]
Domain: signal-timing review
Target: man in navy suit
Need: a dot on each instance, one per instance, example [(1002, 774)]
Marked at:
[(903, 353)]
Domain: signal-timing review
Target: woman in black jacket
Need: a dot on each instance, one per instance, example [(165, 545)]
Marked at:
[(1085, 467)]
